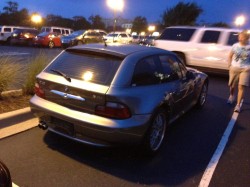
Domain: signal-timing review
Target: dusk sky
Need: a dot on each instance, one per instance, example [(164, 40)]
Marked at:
[(213, 10)]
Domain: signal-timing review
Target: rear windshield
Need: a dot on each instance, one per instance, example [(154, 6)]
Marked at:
[(177, 34), (99, 68)]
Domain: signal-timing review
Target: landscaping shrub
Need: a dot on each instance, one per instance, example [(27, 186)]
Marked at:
[(35, 66), (9, 72)]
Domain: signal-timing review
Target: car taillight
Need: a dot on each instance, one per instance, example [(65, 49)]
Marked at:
[(113, 110), (39, 91)]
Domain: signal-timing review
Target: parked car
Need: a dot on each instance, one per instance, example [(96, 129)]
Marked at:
[(119, 37), (47, 39), (89, 36), (137, 38), (205, 48), (23, 36), (148, 40), (60, 30), (66, 40), (106, 95), (5, 32)]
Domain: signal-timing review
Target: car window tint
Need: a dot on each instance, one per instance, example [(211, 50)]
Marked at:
[(57, 30), (233, 38), (7, 29), (145, 72), (77, 65), (171, 68), (210, 37), (177, 34)]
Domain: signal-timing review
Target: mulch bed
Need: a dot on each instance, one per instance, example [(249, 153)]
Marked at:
[(14, 103)]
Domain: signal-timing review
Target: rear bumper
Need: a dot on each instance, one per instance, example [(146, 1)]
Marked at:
[(89, 128)]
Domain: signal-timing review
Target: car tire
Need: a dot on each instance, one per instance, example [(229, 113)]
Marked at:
[(203, 96), (51, 44), (5, 178), (8, 41), (30, 43), (155, 135)]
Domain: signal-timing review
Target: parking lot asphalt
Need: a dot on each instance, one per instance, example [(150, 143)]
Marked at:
[(16, 121)]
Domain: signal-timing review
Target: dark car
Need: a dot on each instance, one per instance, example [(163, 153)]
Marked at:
[(106, 95), (89, 36), (148, 40), (66, 40), (23, 36)]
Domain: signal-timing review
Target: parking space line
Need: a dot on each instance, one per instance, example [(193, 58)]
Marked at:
[(207, 176), (14, 53)]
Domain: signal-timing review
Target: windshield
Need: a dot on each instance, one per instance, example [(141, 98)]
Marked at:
[(112, 35)]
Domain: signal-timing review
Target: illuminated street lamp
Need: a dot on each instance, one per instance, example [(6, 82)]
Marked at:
[(116, 5), (151, 28), (36, 18), (239, 21)]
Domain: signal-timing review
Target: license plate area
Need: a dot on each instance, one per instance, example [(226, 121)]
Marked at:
[(62, 126)]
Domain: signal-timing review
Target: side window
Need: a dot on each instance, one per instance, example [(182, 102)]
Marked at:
[(123, 35), (57, 31), (233, 38), (171, 68), (63, 31), (145, 72), (177, 34), (7, 29), (210, 37), (67, 32)]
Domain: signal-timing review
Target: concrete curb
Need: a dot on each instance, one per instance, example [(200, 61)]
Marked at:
[(16, 121), (11, 93)]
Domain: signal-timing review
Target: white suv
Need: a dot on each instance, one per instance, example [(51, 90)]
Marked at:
[(5, 32), (202, 47)]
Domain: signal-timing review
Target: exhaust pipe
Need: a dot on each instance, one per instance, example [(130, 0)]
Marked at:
[(42, 125)]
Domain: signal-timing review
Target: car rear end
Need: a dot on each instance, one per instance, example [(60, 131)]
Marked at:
[(73, 98), (40, 39), (23, 36)]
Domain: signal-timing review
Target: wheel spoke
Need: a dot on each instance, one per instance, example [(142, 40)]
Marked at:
[(157, 132)]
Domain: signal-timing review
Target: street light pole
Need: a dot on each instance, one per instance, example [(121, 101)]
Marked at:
[(115, 5), (114, 26)]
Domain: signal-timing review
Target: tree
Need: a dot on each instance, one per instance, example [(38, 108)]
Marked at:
[(96, 22), (139, 24), (11, 8), (80, 22), (220, 24), (181, 14), (12, 16)]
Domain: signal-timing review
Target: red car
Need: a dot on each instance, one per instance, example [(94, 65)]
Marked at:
[(48, 39)]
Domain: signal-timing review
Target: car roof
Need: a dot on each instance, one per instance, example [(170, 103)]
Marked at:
[(206, 28), (115, 49)]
